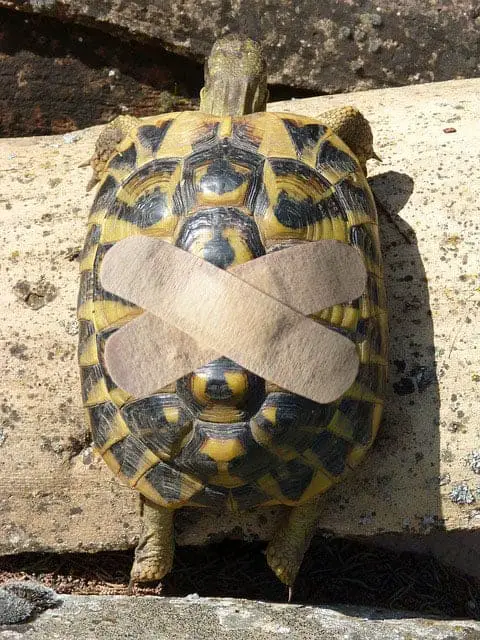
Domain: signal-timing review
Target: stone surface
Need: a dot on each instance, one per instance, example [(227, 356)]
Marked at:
[(327, 46), (421, 475), (21, 600), (194, 618)]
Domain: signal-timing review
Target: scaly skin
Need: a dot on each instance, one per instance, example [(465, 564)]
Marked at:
[(156, 546), (288, 546), (235, 78), (353, 128), (107, 142)]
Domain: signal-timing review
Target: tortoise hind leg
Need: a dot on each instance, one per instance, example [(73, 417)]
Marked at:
[(353, 128), (111, 135), (288, 546), (155, 548)]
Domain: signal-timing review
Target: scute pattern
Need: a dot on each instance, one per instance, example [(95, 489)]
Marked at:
[(229, 190), (160, 421), (304, 136), (151, 136)]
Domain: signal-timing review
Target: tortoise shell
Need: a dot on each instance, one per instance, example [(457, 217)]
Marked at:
[(230, 190)]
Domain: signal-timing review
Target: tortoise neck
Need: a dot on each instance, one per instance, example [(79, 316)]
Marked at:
[(234, 96)]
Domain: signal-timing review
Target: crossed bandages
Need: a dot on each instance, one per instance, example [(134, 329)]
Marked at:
[(254, 314)]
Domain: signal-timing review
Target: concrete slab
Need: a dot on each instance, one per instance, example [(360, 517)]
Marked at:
[(194, 618), (423, 473)]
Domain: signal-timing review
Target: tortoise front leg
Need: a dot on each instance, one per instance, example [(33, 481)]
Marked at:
[(353, 128), (155, 548), (288, 546), (111, 135)]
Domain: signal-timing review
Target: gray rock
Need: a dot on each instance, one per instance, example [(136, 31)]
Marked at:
[(194, 618), (58, 77), (13, 609), (19, 601), (309, 43)]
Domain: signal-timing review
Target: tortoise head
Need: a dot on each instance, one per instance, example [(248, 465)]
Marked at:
[(235, 78)]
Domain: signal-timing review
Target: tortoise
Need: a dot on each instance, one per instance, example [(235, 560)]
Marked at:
[(230, 183)]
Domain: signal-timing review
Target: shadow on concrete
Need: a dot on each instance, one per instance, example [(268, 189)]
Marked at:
[(410, 431)]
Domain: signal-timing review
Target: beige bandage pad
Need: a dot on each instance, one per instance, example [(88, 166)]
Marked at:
[(148, 353), (253, 315)]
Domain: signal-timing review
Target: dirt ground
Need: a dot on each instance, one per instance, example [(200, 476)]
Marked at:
[(335, 571)]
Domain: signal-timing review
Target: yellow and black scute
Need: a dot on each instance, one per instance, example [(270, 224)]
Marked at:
[(230, 190)]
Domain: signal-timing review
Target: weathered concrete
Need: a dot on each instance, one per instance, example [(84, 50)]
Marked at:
[(194, 618), (326, 46), (423, 472)]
